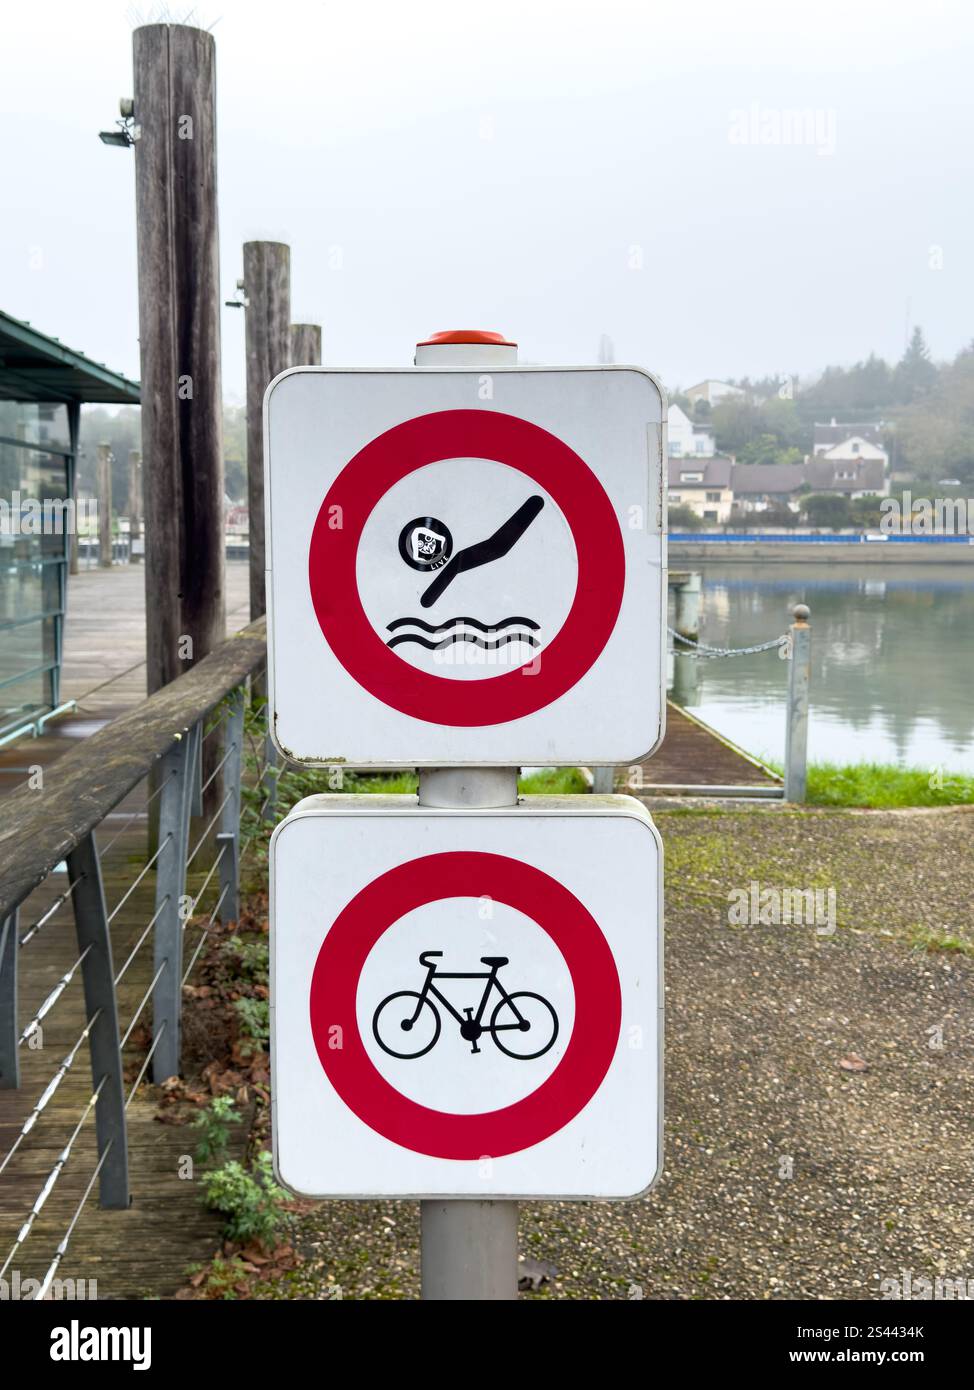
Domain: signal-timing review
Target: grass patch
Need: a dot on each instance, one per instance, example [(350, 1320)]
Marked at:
[(553, 781), (387, 784), (939, 943), (550, 781), (883, 786)]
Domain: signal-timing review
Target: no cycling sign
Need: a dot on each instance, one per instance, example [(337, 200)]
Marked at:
[(479, 1020), (465, 568)]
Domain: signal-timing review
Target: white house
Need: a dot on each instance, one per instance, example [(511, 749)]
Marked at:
[(703, 485), (852, 442), (687, 440)]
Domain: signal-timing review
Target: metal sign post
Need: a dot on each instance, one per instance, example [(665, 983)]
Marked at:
[(468, 1249)]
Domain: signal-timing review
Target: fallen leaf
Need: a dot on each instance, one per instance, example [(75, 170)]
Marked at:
[(853, 1063)]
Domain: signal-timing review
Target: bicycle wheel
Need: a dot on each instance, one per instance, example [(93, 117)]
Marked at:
[(407, 1024), (524, 1025)]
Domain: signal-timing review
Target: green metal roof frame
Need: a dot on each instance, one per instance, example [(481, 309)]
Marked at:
[(34, 367)]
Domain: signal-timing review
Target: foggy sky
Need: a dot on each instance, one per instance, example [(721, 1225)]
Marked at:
[(554, 170)]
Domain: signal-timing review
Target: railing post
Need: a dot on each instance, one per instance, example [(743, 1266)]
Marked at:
[(98, 975), (796, 719), (196, 779), (9, 1052), (179, 770), (228, 839), (272, 770)]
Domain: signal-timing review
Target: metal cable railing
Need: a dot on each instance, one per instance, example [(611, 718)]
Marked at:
[(162, 745), (41, 922), (52, 998), (52, 1178)]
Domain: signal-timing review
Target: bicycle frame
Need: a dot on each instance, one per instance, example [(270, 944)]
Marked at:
[(489, 975)]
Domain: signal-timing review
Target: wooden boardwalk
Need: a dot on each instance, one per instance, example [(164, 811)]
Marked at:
[(692, 754), (146, 1249)]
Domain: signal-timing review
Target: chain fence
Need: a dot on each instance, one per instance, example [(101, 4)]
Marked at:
[(702, 652)]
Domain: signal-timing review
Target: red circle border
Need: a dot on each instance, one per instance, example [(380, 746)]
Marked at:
[(534, 1118), (554, 466)]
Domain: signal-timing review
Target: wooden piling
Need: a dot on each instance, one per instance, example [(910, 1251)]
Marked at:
[(135, 502), (305, 345), (267, 286), (103, 488), (179, 330)]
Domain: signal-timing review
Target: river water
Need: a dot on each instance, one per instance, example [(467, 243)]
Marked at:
[(892, 660)]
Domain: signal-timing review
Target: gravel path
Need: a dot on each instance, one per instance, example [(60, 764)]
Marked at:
[(787, 1174)]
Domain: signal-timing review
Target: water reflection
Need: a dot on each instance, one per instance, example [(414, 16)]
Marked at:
[(892, 660)]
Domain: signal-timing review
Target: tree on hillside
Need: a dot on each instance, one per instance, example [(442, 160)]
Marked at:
[(780, 418), (759, 389), (766, 448), (915, 374), (935, 436), (863, 390), (735, 423)]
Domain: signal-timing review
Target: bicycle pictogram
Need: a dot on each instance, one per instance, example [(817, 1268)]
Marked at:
[(411, 1022)]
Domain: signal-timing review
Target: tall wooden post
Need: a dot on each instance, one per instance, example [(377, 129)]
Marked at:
[(103, 487), (267, 286), (305, 345), (179, 330), (74, 435), (135, 502)]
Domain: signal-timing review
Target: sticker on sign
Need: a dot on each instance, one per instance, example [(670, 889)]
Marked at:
[(466, 1004), (465, 568)]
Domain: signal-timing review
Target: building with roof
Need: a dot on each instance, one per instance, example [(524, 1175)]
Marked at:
[(713, 392), (759, 487), (849, 446), (684, 438), (835, 436), (703, 485), (43, 385), (851, 476)]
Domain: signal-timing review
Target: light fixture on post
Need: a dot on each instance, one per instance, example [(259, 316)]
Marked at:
[(128, 132), (242, 302)]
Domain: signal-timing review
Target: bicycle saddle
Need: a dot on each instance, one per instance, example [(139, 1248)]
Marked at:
[(494, 960), (425, 955)]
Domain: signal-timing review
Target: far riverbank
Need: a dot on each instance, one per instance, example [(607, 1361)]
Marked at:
[(730, 550)]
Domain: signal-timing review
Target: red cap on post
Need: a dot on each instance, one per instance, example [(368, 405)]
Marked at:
[(466, 347), (467, 335)]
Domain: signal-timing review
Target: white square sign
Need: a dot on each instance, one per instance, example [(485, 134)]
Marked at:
[(466, 1004), (466, 568)]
